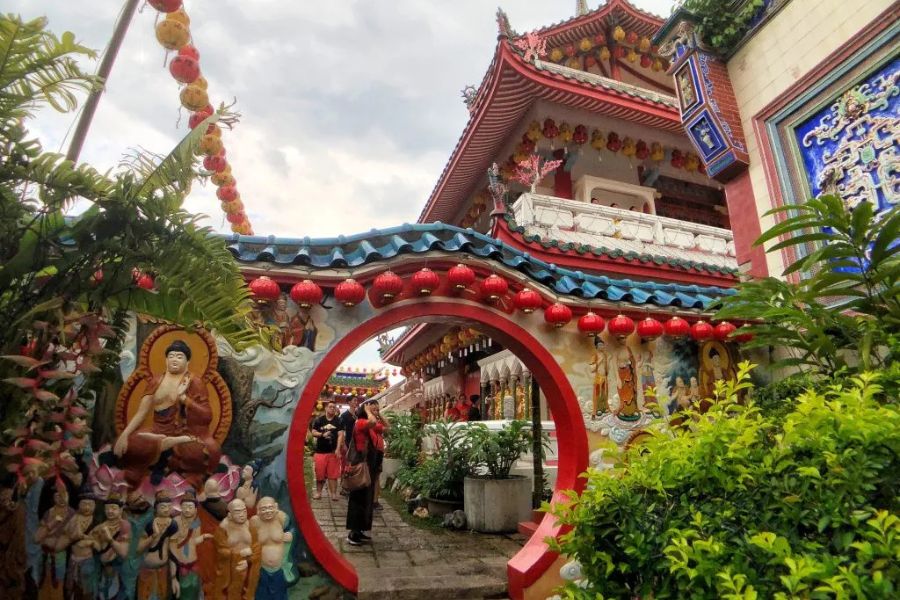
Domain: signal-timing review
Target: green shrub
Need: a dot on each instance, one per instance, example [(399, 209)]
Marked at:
[(403, 439), (495, 452), (720, 27), (744, 504)]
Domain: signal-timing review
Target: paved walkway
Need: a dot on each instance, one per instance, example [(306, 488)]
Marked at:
[(407, 563)]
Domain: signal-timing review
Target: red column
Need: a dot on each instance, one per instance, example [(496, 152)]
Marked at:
[(745, 224)]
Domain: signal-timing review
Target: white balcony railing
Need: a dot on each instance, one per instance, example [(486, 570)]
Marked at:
[(603, 226)]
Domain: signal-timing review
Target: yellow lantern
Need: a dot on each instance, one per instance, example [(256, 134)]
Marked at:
[(598, 142), (172, 35), (657, 65), (629, 147), (201, 82), (210, 144), (604, 53), (691, 162), (585, 45), (534, 131), (565, 132), (556, 54), (222, 179), (632, 55), (520, 157), (574, 63), (194, 97), (618, 33), (448, 338), (656, 152), (214, 130), (480, 199), (179, 16), (645, 44)]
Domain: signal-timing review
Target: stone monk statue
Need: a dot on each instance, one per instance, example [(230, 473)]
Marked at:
[(238, 556), (178, 438)]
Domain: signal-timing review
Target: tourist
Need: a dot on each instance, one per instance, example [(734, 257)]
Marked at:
[(474, 411), (347, 420), (378, 443), (361, 502), (327, 455)]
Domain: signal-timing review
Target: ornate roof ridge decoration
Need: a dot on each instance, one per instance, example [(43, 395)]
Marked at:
[(607, 83), (603, 10), (379, 245), (613, 253)]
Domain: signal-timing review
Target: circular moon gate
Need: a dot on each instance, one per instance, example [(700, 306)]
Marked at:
[(534, 558)]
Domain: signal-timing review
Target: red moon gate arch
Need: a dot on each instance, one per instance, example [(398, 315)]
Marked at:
[(535, 557)]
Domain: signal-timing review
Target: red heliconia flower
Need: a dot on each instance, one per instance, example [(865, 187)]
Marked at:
[(145, 281), (460, 277), (349, 292), (425, 281), (676, 327), (198, 117), (306, 293), (165, 6), (527, 300), (621, 326), (702, 331), (387, 285), (723, 331), (264, 288), (227, 193), (591, 323), (215, 163), (493, 287), (184, 69), (189, 51), (558, 314), (649, 329)]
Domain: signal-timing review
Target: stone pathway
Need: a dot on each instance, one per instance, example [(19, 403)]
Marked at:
[(407, 563)]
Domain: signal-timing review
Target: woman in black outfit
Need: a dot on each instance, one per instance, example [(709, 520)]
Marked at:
[(361, 502)]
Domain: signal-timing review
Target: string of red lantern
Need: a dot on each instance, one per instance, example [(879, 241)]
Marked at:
[(173, 33)]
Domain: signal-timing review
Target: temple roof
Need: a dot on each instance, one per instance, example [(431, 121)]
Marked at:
[(613, 12), (381, 245), (513, 85)]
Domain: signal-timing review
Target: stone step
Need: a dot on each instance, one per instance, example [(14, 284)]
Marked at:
[(433, 587)]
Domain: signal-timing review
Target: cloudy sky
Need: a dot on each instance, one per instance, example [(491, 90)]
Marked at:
[(350, 108)]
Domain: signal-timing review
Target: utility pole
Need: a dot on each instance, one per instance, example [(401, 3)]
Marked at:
[(106, 64)]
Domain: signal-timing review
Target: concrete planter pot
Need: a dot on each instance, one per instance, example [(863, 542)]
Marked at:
[(497, 505), (439, 508), (389, 469)]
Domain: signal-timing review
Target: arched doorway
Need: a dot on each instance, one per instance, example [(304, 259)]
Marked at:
[(534, 558)]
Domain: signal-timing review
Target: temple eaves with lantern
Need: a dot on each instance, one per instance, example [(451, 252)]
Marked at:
[(352, 382)]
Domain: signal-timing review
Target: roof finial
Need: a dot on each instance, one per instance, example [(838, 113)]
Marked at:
[(581, 8), (503, 24)]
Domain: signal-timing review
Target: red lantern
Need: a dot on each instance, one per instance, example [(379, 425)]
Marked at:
[(425, 281), (723, 331), (264, 288), (649, 329), (743, 338), (557, 314), (493, 287), (677, 327), (165, 6), (580, 135), (145, 282), (306, 293), (184, 69), (236, 217), (621, 326), (190, 52), (97, 277), (387, 285), (198, 117), (646, 61), (349, 292), (527, 300), (460, 277), (227, 193), (701, 331), (591, 323), (215, 163)]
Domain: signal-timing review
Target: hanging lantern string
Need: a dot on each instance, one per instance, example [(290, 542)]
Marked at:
[(173, 33)]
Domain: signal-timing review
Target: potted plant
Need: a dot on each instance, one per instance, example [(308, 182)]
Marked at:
[(402, 443), (494, 500), (441, 475)]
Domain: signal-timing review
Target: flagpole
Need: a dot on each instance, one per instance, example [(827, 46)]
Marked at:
[(106, 64)]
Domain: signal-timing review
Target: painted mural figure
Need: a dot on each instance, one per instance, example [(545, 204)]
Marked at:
[(269, 524), (627, 386), (648, 380), (295, 330), (521, 404), (184, 550), (237, 556), (12, 542), (50, 535), (679, 397), (599, 367), (81, 575), (715, 365), (153, 577), (111, 541), (179, 437)]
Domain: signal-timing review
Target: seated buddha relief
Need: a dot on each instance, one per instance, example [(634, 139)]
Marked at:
[(173, 413)]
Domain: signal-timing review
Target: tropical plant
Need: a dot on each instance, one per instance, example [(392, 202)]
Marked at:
[(741, 505), (844, 312), (720, 27), (64, 278), (403, 439), (442, 474), (493, 453)]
